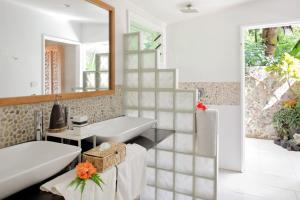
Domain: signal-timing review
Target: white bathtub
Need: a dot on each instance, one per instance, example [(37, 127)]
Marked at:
[(120, 129), (26, 164)]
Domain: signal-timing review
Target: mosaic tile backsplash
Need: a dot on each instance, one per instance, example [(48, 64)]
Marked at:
[(17, 122), (216, 93)]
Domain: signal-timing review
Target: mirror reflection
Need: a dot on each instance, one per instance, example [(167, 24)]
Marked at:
[(53, 47)]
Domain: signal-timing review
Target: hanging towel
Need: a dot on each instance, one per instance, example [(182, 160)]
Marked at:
[(59, 186), (131, 178), (207, 125)]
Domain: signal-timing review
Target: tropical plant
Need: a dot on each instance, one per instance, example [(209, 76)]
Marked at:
[(254, 54), (264, 47), (294, 119), (281, 122), (286, 70), (287, 119), (296, 50), (291, 103), (270, 40), (297, 106)]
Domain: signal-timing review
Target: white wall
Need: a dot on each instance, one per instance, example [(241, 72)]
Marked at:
[(94, 33), (207, 49), (72, 65)]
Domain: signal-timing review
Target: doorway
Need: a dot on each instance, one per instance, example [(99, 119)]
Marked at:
[(61, 65), (270, 93), (54, 68)]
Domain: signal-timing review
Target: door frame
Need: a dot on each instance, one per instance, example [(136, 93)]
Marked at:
[(244, 28), (54, 39)]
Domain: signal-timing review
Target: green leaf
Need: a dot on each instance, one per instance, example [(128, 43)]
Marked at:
[(298, 106), (296, 50), (76, 182), (73, 183), (97, 180), (83, 183)]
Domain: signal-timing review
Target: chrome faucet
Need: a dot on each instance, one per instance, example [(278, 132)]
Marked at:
[(38, 124), (68, 118)]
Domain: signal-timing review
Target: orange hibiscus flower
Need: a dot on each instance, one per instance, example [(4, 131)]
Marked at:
[(85, 170)]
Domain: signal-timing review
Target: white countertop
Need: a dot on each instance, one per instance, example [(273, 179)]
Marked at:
[(77, 134)]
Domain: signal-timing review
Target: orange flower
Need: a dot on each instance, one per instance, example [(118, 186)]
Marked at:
[(85, 170), (291, 103)]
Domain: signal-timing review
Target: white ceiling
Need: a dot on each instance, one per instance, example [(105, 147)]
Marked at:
[(168, 10), (79, 10)]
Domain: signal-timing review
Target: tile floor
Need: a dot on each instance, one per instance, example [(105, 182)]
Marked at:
[(272, 173)]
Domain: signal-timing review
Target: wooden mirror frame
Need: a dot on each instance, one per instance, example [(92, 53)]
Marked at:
[(65, 96)]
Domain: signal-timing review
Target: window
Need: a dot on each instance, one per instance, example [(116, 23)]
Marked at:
[(153, 36)]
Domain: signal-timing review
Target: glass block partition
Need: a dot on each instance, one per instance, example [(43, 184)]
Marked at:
[(174, 170), (98, 79)]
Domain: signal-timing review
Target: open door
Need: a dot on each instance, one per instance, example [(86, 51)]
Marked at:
[(54, 69)]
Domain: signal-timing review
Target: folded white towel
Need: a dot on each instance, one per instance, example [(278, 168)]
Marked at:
[(49, 186), (59, 186), (207, 132), (131, 180), (132, 173)]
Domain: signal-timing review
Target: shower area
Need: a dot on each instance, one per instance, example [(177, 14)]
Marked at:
[(175, 171)]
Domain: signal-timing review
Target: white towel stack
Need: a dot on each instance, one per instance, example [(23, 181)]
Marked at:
[(132, 173), (207, 132), (130, 178)]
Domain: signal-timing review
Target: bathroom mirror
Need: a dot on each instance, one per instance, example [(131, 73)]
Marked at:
[(53, 48)]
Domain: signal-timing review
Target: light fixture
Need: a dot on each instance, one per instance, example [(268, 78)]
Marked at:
[(189, 8), (67, 5)]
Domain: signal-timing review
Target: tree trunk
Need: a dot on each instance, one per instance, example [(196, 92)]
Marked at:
[(270, 39)]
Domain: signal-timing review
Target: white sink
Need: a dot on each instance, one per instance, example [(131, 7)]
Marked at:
[(119, 129), (26, 164)]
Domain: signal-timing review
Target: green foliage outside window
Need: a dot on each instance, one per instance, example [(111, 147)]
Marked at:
[(149, 35), (255, 47), (90, 61)]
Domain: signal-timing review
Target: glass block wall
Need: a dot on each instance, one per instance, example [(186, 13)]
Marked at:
[(174, 170)]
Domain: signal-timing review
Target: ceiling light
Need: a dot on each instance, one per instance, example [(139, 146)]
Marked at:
[(189, 8), (67, 5)]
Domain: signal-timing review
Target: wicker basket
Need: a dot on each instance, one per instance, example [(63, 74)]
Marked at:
[(106, 159)]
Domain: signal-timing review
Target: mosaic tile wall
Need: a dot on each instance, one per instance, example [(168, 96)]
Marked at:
[(17, 122), (216, 93)]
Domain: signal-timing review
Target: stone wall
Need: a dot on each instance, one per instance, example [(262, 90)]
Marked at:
[(216, 93), (263, 97), (17, 122)]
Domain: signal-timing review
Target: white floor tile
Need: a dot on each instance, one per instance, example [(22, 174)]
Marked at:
[(272, 173), (237, 196)]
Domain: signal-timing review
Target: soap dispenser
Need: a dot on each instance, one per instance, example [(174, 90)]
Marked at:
[(57, 118)]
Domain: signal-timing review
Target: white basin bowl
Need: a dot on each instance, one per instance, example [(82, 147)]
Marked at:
[(120, 129), (27, 164)]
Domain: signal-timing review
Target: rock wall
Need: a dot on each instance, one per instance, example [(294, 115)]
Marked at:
[(263, 97)]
